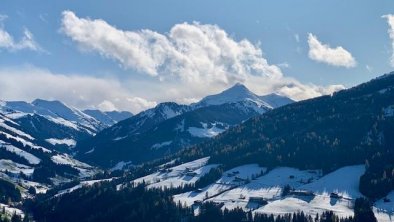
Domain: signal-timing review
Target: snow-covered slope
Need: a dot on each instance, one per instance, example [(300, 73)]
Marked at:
[(55, 112), (30, 162), (88, 120), (180, 175), (255, 189), (148, 118), (55, 124)]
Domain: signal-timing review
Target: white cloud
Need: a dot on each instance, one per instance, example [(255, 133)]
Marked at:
[(390, 31), (297, 38), (76, 90), (106, 106), (191, 52), (291, 88), (333, 56), (189, 62), (8, 42)]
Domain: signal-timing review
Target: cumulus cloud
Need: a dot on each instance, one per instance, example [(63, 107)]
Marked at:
[(75, 90), (191, 52), (291, 88), (390, 21), (189, 62), (9, 43), (333, 56)]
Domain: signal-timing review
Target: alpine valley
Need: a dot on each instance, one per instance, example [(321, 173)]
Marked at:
[(232, 156)]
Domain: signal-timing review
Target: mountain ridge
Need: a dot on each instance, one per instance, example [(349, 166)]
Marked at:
[(199, 121)]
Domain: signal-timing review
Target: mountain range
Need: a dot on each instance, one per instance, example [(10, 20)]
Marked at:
[(37, 141), (330, 156), (166, 128), (45, 141)]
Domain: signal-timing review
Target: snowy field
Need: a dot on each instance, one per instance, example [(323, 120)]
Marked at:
[(231, 179), (10, 210), (384, 210), (311, 192), (28, 156), (268, 186), (85, 170), (15, 168), (67, 142), (187, 173)]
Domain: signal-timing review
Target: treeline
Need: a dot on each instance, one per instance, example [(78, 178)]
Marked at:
[(9, 192), (102, 202), (212, 212)]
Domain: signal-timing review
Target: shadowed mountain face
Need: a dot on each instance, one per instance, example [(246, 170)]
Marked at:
[(168, 127)]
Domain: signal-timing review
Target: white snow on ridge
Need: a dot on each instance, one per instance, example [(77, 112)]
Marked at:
[(28, 156), (82, 184), (119, 138), (234, 94), (68, 142), (205, 131), (61, 121), (67, 160), (16, 131), (24, 142), (120, 165), (160, 145), (15, 168)]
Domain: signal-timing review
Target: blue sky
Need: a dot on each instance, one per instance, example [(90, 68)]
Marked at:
[(289, 47)]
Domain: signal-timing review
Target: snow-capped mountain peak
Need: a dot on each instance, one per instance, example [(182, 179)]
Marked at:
[(240, 93), (60, 114), (61, 109), (236, 93)]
